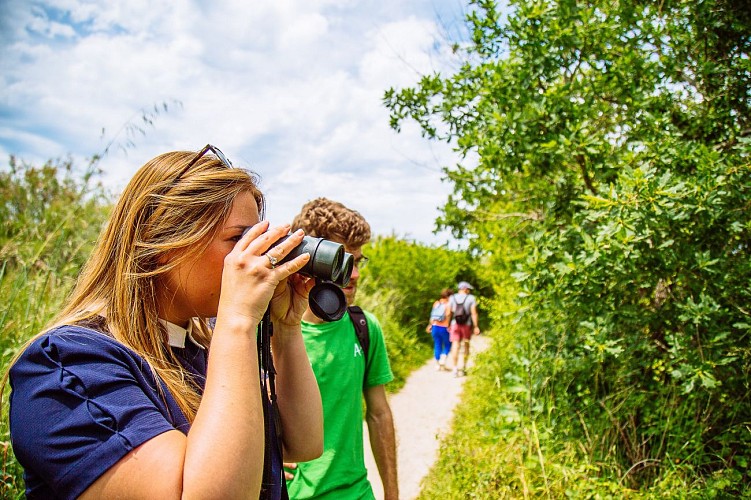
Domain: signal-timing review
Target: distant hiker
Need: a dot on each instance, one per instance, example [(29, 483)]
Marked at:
[(346, 371), (464, 323), (438, 327)]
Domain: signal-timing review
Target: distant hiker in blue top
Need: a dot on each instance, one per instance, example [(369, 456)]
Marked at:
[(129, 393), (440, 314)]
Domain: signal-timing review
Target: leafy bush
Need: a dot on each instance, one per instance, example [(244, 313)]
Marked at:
[(618, 135), (653, 346)]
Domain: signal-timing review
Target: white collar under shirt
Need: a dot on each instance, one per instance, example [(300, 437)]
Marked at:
[(178, 334)]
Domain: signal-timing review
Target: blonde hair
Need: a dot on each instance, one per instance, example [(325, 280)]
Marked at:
[(324, 218), (164, 217)]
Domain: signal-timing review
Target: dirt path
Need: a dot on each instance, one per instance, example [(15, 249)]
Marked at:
[(422, 414)]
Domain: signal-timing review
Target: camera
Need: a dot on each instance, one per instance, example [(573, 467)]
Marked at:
[(331, 267), (328, 260)]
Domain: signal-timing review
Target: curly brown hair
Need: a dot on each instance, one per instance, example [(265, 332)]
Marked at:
[(324, 218)]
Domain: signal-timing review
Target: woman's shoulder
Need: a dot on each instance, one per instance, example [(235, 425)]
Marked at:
[(77, 339), (91, 354), (77, 332)]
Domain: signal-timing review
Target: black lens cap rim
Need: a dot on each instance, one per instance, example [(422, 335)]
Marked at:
[(325, 287)]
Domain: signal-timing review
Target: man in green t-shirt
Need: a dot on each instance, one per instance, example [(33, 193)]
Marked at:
[(339, 366)]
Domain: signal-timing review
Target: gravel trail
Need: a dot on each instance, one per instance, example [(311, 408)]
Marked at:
[(422, 411)]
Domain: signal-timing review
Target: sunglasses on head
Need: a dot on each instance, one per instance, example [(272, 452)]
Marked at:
[(207, 148), (222, 158)]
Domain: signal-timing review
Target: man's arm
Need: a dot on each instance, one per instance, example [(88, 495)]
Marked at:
[(475, 319), (382, 438)]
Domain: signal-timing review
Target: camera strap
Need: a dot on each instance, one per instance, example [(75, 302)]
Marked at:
[(271, 421)]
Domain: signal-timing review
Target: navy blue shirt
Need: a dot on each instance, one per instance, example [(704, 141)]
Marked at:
[(81, 401)]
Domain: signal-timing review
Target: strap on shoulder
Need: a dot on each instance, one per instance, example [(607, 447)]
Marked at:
[(361, 330)]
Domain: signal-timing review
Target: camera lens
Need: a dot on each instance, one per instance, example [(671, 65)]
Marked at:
[(326, 258), (331, 267), (348, 262)]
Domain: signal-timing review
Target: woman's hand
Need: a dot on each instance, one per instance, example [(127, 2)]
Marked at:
[(250, 280), (290, 300)]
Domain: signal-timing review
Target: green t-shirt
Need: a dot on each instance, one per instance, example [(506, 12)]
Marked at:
[(339, 367)]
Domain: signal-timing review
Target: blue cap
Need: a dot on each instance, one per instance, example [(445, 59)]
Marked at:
[(464, 285)]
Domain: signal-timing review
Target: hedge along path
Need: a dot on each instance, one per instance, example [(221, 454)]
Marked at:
[(422, 411)]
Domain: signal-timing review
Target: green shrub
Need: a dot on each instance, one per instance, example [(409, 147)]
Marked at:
[(406, 351), (651, 346), (612, 144)]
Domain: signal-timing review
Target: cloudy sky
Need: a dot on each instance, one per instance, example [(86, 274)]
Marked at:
[(289, 88)]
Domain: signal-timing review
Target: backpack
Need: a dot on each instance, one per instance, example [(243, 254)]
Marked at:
[(438, 313), (461, 315), (357, 316)]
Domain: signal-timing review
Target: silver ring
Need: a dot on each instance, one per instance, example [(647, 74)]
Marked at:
[(273, 260)]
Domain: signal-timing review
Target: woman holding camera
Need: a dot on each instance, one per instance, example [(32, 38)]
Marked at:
[(130, 392)]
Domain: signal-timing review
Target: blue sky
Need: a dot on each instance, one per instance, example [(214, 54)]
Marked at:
[(289, 88)]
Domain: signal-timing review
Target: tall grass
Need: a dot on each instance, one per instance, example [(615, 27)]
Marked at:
[(497, 449), (49, 219)]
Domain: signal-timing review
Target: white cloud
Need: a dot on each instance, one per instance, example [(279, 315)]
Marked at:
[(291, 88)]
